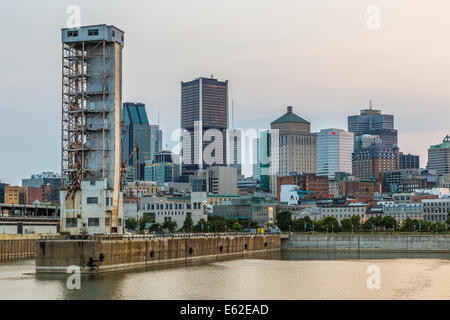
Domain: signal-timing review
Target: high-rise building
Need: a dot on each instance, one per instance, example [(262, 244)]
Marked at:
[(297, 147), (234, 150), (409, 161), (137, 131), (256, 157), (155, 140), (163, 169), (265, 160), (334, 152), (373, 122), (204, 119), (371, 162), (439, 157), (91, 197)]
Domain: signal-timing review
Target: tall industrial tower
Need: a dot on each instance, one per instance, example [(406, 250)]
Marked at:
[(91, 199)]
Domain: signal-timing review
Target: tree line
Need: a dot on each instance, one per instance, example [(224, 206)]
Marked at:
[(214, 224), (354, 224)]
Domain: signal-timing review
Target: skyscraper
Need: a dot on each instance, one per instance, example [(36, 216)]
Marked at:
[(297, 149), (137, 131), (256, 159), (155, 141), (409, 161), (334, 152), (204, 119), (439, 157), (373, 122), (264, 159), (234, 150)]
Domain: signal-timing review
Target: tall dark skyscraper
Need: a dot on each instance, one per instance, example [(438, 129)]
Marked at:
[(138, 131), (204, 106), (373, 122), (409, 161)]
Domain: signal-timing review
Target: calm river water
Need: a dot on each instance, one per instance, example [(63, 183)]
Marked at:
[(278, 276)]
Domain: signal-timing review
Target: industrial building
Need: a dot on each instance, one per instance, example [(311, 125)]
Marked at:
[(91, 197)]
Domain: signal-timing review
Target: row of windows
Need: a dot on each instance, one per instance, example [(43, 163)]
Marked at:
[(92, 222), (91, 32)]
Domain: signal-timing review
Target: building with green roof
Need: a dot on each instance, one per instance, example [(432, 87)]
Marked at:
[(439, 157), (296, 150)]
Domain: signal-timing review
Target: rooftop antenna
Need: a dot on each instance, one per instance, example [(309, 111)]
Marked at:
[(158, 116), (370, 104)]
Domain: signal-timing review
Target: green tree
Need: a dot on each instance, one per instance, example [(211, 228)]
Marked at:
[(331, 224), (131, 224), (237, 227), (409, 225), (439, 227), (297, 225), (216, 224), (356, 222), (448, 218), (346, 225), (143, 221), (171, 226), (198, 226), (187, 225), (389, 222), (284, 220), (155, 227)]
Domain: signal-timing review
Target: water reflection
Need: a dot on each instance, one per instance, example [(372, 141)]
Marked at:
[(276, 275), (348, 255)]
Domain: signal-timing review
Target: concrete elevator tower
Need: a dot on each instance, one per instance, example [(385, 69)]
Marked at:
[(91, 197)]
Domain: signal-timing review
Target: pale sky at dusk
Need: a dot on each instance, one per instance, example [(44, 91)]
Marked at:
[(318, 56)]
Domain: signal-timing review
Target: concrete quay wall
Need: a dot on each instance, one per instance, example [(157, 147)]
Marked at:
[(92, 256), (367, 243), (17, 246)]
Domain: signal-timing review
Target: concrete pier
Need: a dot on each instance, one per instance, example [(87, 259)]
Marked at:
[(367, 243), (17, 246), (103, 255)]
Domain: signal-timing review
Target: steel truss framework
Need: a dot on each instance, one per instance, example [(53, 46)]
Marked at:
[(75, 100)]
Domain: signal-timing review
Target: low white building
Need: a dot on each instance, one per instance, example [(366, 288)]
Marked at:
[(344, 211), (340, 212), (435, 210), (162, 209), (93, 214), (401, 211), (313, 213)]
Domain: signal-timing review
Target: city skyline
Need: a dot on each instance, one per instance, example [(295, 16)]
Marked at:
[(338, 84)]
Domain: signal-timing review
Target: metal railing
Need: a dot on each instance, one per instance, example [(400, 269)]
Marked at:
[(151, 236), (43, 218)]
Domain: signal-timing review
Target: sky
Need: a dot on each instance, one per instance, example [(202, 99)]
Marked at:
[(326, 58)]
